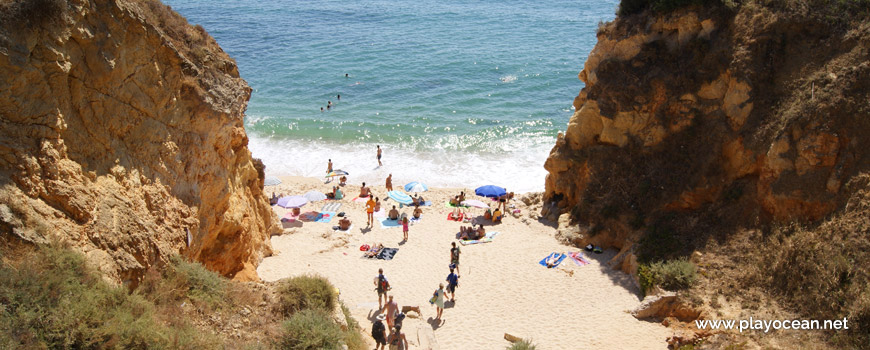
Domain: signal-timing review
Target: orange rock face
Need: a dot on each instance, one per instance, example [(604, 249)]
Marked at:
[(126, 142), (706, 119)]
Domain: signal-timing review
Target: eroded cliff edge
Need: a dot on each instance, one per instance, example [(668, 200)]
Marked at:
[(122, 133), (737, 136)]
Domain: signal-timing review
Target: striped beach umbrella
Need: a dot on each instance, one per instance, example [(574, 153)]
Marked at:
[(400, 197)]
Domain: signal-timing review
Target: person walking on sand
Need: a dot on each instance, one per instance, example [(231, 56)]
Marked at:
[(389, 183), (405, 226), (391, 309), (452, 283), (370, 210), (439, 301), (382, 286), (454, 256), (379, 332), (379, 156)]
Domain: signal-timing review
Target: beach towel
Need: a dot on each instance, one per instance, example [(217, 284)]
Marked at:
[(330, 207), (387, 223), (380, 213), (448, 205), (336, 229), (561, 257), (451, 218), (387, 253), (426, 204), (578, 258), (361, 199), (309, 216), (325, 217), (486, 239), (416, 220)]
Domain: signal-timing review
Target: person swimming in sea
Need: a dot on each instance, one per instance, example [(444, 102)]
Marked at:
[(338, 97)]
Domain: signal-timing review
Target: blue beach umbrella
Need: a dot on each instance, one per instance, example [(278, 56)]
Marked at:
[(416, 187), (292, 201), (400, 197), (490, 191)]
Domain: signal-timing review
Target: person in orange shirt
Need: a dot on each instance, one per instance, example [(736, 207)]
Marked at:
[(370, 210)]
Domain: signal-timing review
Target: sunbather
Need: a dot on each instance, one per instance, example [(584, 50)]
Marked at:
[(342, 181), (456, 214), (496, 216), (363, 191), (337, 194), (394, 214), (461, 196), (344, 224), (377, 204), (417, 199), (487, 215), (454, 201), (552, 260), (374, 251)]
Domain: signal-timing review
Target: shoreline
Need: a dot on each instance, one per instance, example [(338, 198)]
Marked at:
[(502, 287)]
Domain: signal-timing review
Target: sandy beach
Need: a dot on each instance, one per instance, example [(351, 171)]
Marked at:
[(502, 287)]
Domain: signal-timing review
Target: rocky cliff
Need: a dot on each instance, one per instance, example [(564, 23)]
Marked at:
[(749, 115), (121, 132), (736, 135)]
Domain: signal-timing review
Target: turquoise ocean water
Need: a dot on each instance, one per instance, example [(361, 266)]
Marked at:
[(457, 93)]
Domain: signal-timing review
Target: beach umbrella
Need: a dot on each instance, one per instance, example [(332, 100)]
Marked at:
[(314, 196), (490, 191), (474, 203), (271, 181), (292, 201), (337, 172), (416, 187), (400, 197)]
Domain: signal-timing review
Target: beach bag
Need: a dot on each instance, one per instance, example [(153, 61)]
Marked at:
[(434, 296), (364, 247), (378, 329), (383, 283)]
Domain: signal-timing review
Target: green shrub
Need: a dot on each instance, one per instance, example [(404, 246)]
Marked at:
[(310, 329), (306, 292), (522, 345), (53, 299), (181, 280), (352, 336), (670, 275)]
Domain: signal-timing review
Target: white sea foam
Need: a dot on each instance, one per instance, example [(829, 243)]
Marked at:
[(509, 78), (519, 169)]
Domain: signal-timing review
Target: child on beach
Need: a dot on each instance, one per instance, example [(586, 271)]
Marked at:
[(405, 226)]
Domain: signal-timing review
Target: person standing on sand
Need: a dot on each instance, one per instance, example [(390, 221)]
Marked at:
[(454, 256), (389, 183), (379, 156), (452, 283), (370, 210), (382, 286), (405, 226), (391, 309), (329, 167)]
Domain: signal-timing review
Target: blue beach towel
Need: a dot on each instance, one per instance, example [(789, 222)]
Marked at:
[(325, 217), (561, 257), (387, 223)]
